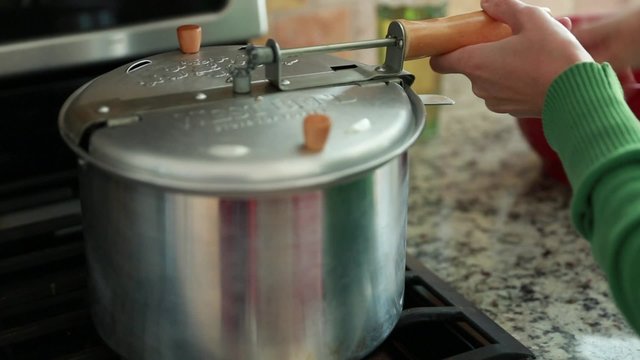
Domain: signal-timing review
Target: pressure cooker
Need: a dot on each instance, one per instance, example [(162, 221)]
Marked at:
[(244, 202)]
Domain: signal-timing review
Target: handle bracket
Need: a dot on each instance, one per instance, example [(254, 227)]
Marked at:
[(394, 59), (272, 57)]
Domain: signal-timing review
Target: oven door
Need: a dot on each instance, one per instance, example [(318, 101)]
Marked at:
[(42, 35)]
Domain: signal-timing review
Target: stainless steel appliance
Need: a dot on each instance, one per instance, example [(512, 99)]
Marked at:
[(50, 48), (43, 303), (213, 232), (44, 35), (197, 173)]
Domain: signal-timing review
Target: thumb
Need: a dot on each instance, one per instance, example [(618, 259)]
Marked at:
[(505, 11)]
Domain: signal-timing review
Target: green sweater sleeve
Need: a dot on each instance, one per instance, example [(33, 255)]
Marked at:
[(597, 138)]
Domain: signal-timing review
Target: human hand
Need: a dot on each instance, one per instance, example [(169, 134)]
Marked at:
[(613, 39), (512, 75)]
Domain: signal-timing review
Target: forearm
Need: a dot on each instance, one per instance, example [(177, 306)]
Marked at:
[(589, 125), (597, 137), (616, 237)]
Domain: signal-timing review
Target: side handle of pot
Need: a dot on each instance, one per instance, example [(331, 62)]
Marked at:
[(425, 38)]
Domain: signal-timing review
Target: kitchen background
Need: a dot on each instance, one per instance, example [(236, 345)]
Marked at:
[(482, 216)]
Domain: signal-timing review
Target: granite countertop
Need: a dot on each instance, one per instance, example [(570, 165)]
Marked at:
[(484, 219)]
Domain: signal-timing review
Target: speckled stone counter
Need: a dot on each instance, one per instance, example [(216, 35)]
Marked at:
[(483, 218)]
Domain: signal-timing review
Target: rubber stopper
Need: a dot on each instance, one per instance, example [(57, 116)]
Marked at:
[(189, 38), (316, 131)]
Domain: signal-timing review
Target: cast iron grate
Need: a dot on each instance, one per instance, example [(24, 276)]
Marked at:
[(438, 323), (44, 313)]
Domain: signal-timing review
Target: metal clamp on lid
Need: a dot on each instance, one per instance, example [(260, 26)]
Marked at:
[(271, 56), (405, 40)]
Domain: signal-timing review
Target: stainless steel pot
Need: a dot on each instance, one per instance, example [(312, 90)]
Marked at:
[(212, 234)]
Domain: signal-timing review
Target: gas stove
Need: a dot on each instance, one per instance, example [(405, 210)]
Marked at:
[(44, 311)]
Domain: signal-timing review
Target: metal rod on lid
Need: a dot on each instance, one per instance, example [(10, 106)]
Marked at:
[(356, 45)]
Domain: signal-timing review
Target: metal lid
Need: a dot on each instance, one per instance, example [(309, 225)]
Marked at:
[(173, 120)]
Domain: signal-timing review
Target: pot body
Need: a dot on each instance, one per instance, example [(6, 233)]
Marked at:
[(313, 274)]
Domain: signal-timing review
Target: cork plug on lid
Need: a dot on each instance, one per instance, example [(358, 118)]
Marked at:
[(316, 131), (189, 38)]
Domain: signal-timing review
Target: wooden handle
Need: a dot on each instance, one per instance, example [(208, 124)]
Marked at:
[(439, 36)]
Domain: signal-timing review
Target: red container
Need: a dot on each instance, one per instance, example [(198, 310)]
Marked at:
[(531, 128)]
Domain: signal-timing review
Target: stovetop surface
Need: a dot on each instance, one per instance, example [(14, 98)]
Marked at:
[(44, 311)]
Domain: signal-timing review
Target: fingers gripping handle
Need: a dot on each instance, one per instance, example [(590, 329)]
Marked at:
[(439, 36)]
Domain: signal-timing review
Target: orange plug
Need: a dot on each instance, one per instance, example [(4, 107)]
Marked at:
[(189, 38), (316, 131)]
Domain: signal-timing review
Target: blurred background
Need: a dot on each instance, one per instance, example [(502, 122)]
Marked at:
[(307, 22)]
